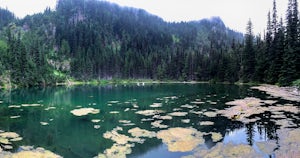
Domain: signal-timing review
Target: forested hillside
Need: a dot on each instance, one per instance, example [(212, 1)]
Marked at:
[(91, 39)]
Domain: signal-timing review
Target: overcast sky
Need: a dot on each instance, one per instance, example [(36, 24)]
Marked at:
[(235, 13)]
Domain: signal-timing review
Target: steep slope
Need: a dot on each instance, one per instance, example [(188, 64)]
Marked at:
[(90, 39)]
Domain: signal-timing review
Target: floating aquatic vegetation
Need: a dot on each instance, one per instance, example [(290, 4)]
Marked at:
[(113, 102), (7, 147), (243, 108), (44, 123), (267, 147), (97, 126), (146, 119), (4, 141), (166, 117), (216, 136), (289, 143), (134, 105), (124, 121), (197, 102), (31, 105), (213, 103), (156, 105), (14, 117), (196, 112), (288, 93), (122, 145), (206, 123), (137, 132), (29, 152), (149, 112), (16, 139), (210, 114), (187, 106), (14, 106), (177, 109), (181, 139), (116, 151), (84, 111), (157, 124), (178, 114), (229, 150), (120, 138), (9, 135), (114, 112), (185, 121), (50, 108), (95, 120)]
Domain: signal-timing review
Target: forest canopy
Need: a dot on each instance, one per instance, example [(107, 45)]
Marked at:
[(93, 39)]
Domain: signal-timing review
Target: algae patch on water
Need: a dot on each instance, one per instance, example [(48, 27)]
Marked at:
[(243, 108), (178, 114), (149, 112), (29, 152), (84, 111), (288, 93), (137, 132), (181, 139)]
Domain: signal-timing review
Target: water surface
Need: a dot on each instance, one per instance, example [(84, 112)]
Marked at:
[(74, 136)]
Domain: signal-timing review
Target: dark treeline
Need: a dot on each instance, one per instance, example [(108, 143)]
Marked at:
[(91, 39)]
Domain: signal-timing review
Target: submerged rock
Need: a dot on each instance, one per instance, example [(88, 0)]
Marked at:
[(84, 111), (181, 139)]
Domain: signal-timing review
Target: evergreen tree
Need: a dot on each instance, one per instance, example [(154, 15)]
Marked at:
[(289, 71), (248, 57)]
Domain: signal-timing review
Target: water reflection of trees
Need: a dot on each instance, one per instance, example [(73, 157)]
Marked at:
[(266, 128)]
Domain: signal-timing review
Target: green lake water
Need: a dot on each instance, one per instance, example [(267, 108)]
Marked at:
[(77, 136)]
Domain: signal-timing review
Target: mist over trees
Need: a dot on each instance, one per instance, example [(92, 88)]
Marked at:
[(93, 39)]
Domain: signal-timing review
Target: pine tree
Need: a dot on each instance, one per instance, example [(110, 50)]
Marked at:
[(248, 57), (289, 69)]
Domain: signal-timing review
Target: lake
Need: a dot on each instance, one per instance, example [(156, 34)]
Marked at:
[(173, 120)]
